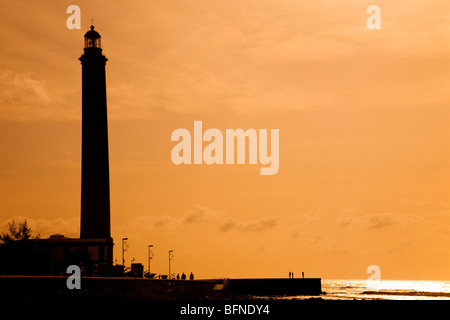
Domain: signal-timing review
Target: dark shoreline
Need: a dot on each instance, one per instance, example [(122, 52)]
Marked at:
[(168, 300)]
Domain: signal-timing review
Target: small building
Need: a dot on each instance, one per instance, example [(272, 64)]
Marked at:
[(52, 256), (137, 270)]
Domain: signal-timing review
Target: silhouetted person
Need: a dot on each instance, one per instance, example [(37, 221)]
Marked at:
[(178, 276), (303, 275), (292, 275), (289, 274), (191, 276), (183, 276)]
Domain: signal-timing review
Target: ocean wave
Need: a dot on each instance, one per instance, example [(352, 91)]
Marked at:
[(409, 293)]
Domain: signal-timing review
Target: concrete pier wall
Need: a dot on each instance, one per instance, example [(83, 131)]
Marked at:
[(129, 288), (274, 286), (153, 289)]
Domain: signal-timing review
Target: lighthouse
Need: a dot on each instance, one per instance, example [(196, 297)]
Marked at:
[(94, 249), (95, 197)]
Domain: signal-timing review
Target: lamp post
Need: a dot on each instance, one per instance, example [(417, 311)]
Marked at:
[(123, 254), (170, 258), (149, 258)]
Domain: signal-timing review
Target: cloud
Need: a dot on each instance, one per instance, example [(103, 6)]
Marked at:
[(22, 89), (344, 221), (165, 222), (378, 221), (206, 218), (26, 97), (373, 221), (249, 226), (229, 224), (197, 214)]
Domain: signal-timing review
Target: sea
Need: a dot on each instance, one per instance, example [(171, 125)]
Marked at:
[(382, 290)]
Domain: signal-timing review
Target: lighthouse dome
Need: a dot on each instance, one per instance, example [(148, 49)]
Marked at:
[(92, 39)]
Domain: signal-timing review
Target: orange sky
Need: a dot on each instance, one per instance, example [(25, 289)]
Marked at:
[(364, 175)]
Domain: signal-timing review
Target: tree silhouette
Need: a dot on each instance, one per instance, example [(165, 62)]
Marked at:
[(19, 231), (16, 256)]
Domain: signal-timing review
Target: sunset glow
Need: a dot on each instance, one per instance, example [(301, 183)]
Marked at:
[(364, 138)]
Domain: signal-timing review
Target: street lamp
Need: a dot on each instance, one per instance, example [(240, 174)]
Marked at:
[(170, 258), (123, 254), (149, 258)]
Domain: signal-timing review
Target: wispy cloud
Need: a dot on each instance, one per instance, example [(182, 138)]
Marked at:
[(198, 214), (381, 220), (372, 221), (26, 97), (249, 226)]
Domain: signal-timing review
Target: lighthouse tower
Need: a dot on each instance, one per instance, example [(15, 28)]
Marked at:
[(94, 249), (95, 202)]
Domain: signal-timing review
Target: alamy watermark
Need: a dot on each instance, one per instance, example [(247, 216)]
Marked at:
[(74, 20), (74, 280), (375, 272), (190, 148), (373, 21)]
